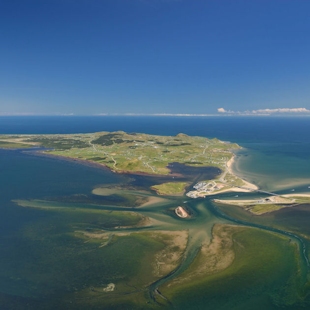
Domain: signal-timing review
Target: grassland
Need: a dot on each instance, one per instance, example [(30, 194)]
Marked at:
[(7, 144), (134, 152), (137, 153), (170, 188)]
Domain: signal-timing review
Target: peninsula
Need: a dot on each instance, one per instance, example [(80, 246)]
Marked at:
[(145, 154)]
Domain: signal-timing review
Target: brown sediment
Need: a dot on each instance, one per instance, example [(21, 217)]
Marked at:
[(166, 260), (108, 190), (219, 252), (169, 258), (145, 221), (214, 256), (153, 200)]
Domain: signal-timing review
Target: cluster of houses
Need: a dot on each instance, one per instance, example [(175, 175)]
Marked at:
[(203, 189)]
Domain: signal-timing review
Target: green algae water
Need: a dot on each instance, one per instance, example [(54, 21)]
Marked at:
[(46, 261)]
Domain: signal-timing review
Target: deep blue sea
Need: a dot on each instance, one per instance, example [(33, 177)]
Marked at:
[(276, 150), (237, 129)]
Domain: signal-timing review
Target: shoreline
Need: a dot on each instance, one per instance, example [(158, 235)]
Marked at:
[(246, 186), (205, 189), (229, 166), (307, 195), (99, 165)]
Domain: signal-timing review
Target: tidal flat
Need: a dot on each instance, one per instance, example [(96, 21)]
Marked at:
[(101, 240)]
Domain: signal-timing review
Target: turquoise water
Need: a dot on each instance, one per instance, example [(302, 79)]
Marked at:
[(275, 166)]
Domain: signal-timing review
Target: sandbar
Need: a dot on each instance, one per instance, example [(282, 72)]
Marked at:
[(181, 212)]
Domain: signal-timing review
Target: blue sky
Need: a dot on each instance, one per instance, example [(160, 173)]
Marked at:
[(154, 56)]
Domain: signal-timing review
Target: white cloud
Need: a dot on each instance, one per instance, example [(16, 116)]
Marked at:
[(282, 110), (267, 111)]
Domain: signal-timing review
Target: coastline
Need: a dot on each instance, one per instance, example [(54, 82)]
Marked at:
[(229, 166), (228, 181), (222, 184), (99, 165)]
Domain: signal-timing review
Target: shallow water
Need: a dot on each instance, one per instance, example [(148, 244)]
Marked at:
[(44, 265), (31, 234)]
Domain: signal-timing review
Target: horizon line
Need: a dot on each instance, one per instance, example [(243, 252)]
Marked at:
[(154, 114)]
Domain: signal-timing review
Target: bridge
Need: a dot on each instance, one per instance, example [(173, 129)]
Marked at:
[(258, 190)]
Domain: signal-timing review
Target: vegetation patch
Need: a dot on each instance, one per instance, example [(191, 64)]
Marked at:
[(170, 188), (136, 152)]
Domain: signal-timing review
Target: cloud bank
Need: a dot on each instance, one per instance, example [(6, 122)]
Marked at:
[(267, 111)]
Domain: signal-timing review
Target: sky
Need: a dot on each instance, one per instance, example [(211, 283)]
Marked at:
[(89, 57)]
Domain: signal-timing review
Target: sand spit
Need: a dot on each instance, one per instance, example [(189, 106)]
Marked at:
[(279, 199), (262, 201), (144, 196), (268, 204), (306, 195), (152, 200)]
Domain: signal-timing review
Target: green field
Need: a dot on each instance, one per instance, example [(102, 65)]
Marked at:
[(135, 152), (170, 188)]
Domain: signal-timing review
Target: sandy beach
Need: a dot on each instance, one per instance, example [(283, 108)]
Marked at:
[(221, 185), (247, 184)]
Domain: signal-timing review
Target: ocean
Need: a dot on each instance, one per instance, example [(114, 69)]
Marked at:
[(41, 263), (276, 149)]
